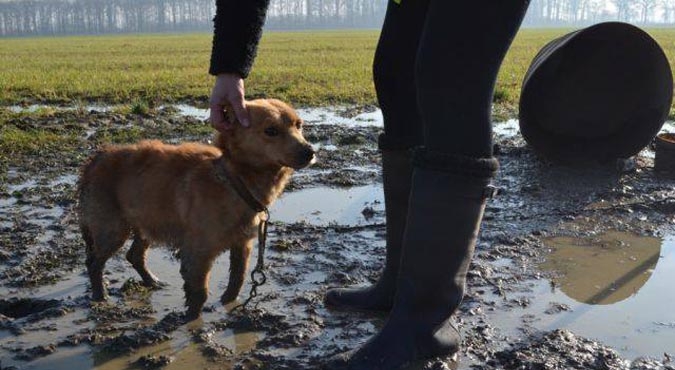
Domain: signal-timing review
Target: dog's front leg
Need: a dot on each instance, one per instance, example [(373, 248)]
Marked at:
[(195, 269), (239, 255)]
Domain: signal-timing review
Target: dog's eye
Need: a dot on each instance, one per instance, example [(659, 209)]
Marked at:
[(271, 131)]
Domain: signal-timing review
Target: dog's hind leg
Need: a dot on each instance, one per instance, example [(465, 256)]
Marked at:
[(137, 255), (238, 263), (101, 245), (95, 278), (195, 270)]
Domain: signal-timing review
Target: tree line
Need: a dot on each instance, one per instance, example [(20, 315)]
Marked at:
[(581, 12), (62, 17), (58, 17)]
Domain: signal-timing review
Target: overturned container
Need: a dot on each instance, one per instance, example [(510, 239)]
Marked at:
[(600, 93)]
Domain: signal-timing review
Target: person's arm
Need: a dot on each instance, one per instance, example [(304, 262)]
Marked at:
[(237, 30)]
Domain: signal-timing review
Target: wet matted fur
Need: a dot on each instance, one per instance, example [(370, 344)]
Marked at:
[(170, 195)]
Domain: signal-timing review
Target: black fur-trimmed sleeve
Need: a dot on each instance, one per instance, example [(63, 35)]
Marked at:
[(237, 30)]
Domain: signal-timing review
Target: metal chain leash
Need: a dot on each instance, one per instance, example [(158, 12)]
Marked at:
[(258, 276)]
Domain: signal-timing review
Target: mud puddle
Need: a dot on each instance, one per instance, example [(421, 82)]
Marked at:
[(178, 353), (45, 344), (323, 206), (129, 307), (615, 288), (328, 230)]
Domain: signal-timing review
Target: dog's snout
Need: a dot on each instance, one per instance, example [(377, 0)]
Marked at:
[(306, 156)]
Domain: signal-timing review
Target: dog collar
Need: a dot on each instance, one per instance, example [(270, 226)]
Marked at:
[(227, 177)]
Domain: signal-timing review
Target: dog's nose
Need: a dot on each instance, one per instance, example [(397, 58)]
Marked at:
[(307, 154)]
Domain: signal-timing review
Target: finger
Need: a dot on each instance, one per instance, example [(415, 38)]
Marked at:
[(216, 113), (241, 112)]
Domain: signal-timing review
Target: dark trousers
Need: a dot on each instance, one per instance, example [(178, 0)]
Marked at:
[(435, 69)]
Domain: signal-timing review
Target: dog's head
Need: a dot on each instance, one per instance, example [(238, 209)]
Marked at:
[(274, 137)]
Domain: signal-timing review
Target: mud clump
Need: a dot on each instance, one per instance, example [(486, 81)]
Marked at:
[(211, 349), (16, 308), (153, 362), (106, 313), (18, 313), (558, 349), (145, 336), (35, 352), (352, 140), (554, 308)]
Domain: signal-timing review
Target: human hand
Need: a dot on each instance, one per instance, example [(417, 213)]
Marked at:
[(228, 92)]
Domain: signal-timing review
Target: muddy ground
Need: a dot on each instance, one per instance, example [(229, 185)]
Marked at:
[(328, 230)]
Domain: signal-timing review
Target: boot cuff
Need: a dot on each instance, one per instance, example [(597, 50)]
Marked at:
[(389, 142), (456, 164)]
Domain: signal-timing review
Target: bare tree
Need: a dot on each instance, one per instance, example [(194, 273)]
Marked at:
[(646, 7), (668, 7)]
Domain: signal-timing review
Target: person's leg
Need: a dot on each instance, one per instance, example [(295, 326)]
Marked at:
[(460, 52), (393, 72), (463, 45)]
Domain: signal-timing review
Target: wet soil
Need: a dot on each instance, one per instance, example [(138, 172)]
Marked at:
[(326, 231)]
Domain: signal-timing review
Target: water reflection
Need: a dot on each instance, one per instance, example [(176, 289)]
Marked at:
[(604, 269), (323, 206)]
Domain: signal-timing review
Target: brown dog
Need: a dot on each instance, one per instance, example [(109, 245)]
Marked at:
[(191, 197)]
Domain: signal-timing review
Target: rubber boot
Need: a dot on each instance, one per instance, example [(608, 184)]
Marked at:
[(447, 200), (397, 177)]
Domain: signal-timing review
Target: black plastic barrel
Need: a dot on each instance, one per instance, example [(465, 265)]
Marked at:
[(600, 93)]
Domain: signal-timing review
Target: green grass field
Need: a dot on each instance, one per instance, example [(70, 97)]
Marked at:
[(307, 68)]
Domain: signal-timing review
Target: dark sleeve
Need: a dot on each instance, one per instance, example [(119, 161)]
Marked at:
[(237, 30)]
